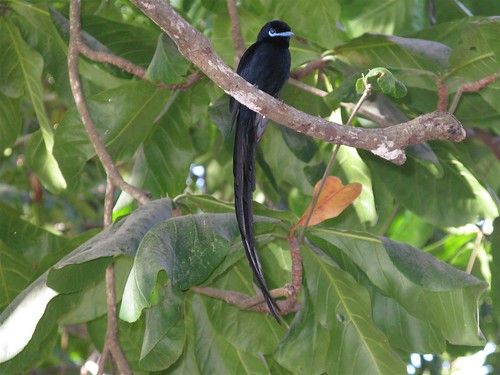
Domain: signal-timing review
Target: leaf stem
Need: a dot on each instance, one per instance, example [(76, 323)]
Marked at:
[(333, 157)]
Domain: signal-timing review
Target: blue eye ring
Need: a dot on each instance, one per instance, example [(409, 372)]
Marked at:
[(272, 32)]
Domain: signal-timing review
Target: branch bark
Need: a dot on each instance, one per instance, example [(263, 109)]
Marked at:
[(76, 88), (388, 143)]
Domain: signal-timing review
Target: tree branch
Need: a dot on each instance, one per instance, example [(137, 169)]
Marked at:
[(238, 41), (129, 67), (81, 105), (472, 87), (388, 143)]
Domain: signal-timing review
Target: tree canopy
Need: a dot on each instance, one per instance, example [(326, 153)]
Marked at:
[(118, 240)]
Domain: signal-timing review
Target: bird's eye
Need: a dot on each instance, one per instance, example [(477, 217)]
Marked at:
[(272, 32)]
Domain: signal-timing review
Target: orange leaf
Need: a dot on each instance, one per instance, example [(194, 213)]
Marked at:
[(334, 198)]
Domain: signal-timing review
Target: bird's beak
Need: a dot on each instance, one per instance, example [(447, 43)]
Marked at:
[(286, 34)]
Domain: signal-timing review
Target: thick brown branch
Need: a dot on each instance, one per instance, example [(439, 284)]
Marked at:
[(388, 143)]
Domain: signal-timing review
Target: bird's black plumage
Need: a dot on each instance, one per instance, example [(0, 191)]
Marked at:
[(265, 64)]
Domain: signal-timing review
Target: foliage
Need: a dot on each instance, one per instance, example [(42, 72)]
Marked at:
[(382, 280)]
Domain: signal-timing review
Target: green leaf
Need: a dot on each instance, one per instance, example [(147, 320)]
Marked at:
[(337, 311), (25, 65), (325, 13), (124, 117), (476, 54), (122, 237), (416, 56), (426, 287), (356, 170), (388, 17), (188, 248), (403, 330), (382, 80), (168, 151), (38, 29), (213, 353), (15, 274), (168, 65), (139, 44), (165, 333), (28, 326), (42, 162), (130, 339), (452, 199), (93, 303), (245, 329), (10, 120)]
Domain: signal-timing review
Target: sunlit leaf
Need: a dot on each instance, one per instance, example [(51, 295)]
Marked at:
[(188, 248), (334, 198)]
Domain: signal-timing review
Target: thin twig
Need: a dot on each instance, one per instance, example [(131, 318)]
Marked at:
[(238, 41), (475, 250), (102, 360), (333, 157), (442, 91), (246, 302), (296, 255), (472, 87), (129, 67), (108, 203), (81, 105), (315, 65), (111, 339), (304, 86), (388, 223)]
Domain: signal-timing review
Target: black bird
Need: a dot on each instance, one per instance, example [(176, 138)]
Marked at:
[(265, 64)]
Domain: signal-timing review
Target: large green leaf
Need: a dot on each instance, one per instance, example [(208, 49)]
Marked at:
[(188, 248), (15, 274), (323, 31), (416, 56), (426, 287), (165, 332), (454, 198), (404, 331), (138, 46), (92, 257), (36, 25), (356, 170), (28, 326), (124, 116), (474, 57), (10, 120), (169, 151), (334, 332), (388, 17), (24, 66), (214, 353), (168, 65)]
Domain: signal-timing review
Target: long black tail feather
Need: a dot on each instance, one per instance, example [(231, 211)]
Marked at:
[(245, 147)]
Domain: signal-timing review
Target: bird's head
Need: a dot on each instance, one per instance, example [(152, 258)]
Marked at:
[(275, 31)]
